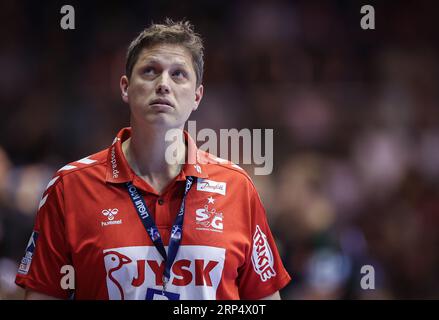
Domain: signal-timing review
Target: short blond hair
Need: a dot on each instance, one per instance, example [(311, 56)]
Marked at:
[(170, 32)]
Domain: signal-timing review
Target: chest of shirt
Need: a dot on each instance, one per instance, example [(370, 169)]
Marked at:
[(104, 217)]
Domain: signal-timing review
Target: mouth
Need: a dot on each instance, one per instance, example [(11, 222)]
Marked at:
[(161, 102)]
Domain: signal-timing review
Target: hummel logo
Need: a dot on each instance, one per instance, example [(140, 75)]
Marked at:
[(110, 213)]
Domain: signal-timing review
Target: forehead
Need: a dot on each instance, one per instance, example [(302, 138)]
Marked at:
[(166, 54)]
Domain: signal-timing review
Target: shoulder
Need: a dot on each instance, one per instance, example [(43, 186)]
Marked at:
[(222, 169), (84, 166), (87, 167)]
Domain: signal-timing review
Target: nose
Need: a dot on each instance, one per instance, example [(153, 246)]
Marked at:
[(162, 86)]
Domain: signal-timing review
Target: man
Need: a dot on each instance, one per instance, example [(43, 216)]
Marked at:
[(135, 225)]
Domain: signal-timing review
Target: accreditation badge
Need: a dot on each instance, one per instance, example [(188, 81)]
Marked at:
[(154, 294)]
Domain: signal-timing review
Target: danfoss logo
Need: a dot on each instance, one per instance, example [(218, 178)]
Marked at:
[(114, 163), (262, 256), (195, 274), (211, 186)]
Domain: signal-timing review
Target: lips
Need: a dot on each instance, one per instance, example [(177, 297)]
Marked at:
[(161, 101)]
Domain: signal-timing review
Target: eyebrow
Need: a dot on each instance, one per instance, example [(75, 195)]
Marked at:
[(157, 61)]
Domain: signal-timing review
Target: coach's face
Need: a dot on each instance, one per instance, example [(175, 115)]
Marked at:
[(162, 88)]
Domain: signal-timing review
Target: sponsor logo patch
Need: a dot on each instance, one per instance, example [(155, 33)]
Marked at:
[(114, 163), (211, 186), (110, 214), (262, 256), (27, 259), (208, 218), (136, 273)]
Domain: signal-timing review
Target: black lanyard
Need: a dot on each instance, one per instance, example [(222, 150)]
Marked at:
[(151, 228)]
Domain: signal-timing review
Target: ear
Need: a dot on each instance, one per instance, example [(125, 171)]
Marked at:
[(198, 96), (124, 83)]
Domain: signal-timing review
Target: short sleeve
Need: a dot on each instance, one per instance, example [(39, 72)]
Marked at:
[(47, 250), (263, 272)]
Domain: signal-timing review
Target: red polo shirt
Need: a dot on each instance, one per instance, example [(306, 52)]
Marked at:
[(87, 220)]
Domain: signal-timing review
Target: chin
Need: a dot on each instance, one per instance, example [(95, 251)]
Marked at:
[(162, 120)]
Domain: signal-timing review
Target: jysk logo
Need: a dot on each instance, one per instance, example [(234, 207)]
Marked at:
[(211, 186), (262, 256), (208, 218), (110, 214), (136, 273)]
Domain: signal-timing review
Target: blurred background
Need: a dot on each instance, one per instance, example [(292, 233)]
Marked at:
[(355, 117)]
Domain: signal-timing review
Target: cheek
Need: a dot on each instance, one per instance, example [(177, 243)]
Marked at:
[(140, 90), (188, 96)]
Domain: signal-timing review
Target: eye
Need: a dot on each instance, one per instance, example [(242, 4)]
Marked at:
[(149, 71), (180, 74)]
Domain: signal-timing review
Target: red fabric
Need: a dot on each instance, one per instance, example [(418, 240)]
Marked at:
[(87, 220)]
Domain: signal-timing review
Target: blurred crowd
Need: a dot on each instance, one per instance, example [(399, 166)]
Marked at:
[(355, 117)]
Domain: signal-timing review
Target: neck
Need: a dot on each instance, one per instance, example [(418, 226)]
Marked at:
[(147, 152)]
